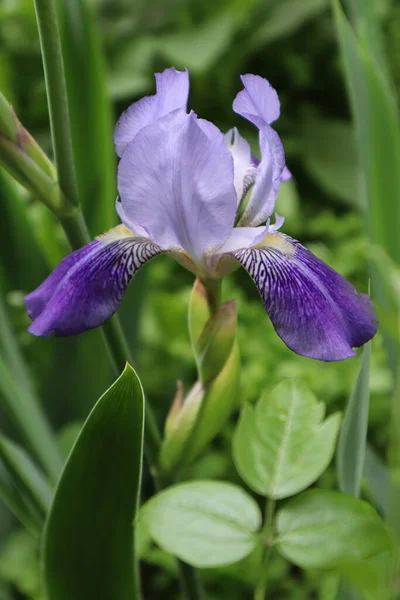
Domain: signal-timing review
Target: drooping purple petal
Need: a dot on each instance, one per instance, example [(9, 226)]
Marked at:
[(87, 286), (178, 184), (172, 90), (258, 102), (265, 191), (315, 311), (245, 167)]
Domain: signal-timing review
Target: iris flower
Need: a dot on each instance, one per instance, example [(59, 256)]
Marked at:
[(188, 190)]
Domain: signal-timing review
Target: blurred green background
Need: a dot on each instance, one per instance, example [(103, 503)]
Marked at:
[(112, 48)]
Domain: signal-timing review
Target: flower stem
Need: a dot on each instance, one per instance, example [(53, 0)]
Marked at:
[(267, 535), (77, 233), (46, 17)]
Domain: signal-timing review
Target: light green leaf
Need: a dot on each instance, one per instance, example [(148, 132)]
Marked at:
[(200, 48), (283, 445), (353, 434), (285, 18), (326, 529), (88, 544), (205, 523), (330, 156), (31, 484)]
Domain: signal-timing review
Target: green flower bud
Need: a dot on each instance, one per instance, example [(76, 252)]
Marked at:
[(23, 158)]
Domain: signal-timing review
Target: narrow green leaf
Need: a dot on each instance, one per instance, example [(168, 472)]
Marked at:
[(15, 502), (353, 434), (284, 445), (21, 403), (90, 112), (377, 125), (205, 523), (88, 543), (31, 483), (377, 477), (326, 529)]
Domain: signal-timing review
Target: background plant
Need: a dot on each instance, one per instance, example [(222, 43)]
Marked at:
[(343, 203)]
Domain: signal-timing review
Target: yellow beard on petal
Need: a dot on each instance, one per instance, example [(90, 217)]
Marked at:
[(115, 233), (273, 240)]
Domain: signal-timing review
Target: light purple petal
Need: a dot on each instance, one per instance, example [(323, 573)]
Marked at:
[(177, 184), (245, 167), (87, 286), (243, 237), (263, 196), (286, 174), (172, 90), (315, 311), (258, 102), (134, 227)]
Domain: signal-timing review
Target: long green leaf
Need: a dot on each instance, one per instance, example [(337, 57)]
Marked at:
[(353, 434), (26, 475), (21, 403), (88, 543), (90, 113)]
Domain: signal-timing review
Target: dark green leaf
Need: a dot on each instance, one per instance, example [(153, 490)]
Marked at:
[(88, 545)]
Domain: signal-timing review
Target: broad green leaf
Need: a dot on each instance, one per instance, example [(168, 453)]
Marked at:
[(88, 543), (353, 434), (90, 112), (205, 523), (284, 445), (26, 477), (326, 529)]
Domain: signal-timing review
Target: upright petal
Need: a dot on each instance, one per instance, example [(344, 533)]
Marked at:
[(172, 90), (315, 311), (258, 102), (263, 196), (245, 167), (177, 183), (87, 286)]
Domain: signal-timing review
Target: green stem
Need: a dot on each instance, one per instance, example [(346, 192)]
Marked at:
[(267, 537), (190, 583), (50, 44), (75, 226)]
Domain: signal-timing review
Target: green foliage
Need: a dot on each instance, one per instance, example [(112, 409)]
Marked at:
[(88, 540), (326, 529), (283, 445), (353, 434), (205, 523)]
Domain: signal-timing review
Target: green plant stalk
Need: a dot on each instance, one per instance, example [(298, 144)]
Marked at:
[(74, 225), (267, 538), (46, 17), (21, 402)]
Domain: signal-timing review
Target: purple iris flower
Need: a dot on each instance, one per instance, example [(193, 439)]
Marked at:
[(188, 190)]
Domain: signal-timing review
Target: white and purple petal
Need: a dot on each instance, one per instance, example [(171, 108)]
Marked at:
[(172, 90), (244, 164), (265, 191), (315, 311), (86, 288), (178, 184)]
